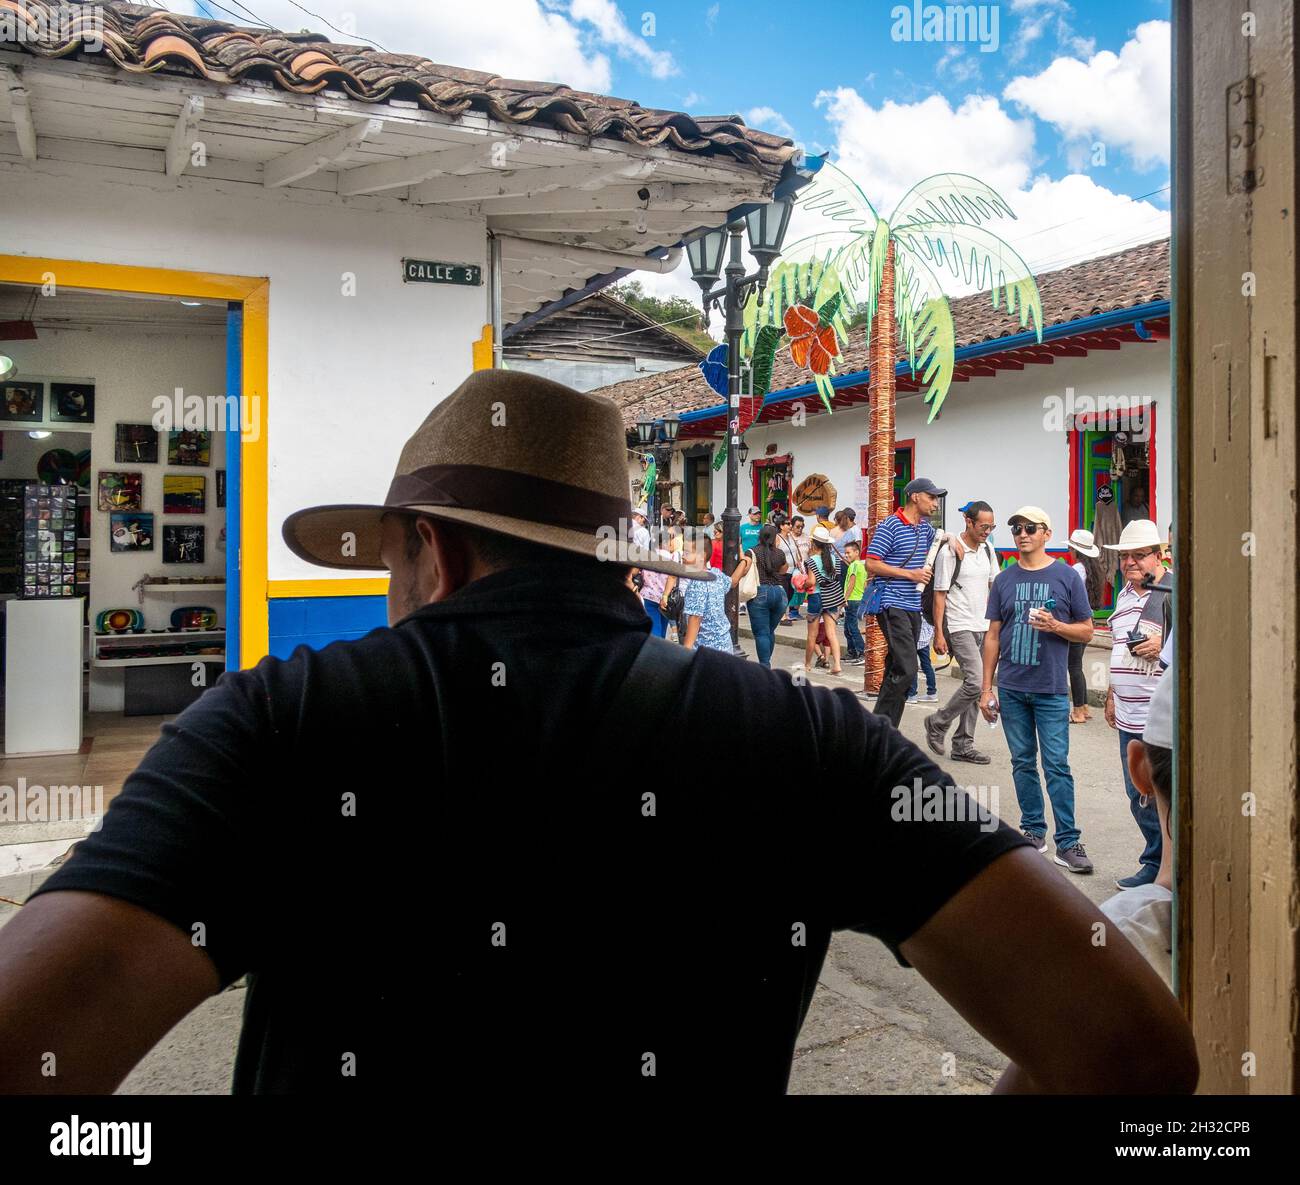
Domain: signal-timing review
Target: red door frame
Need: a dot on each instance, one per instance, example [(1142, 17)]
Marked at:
[(1083, 423), (767, 463)]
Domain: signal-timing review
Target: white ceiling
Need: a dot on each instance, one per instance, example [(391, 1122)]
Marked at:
[(83, 309)]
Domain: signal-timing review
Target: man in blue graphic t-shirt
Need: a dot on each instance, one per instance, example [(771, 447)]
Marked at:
[(1037, 607)]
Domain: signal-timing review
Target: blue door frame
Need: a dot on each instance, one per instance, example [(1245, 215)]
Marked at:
[(234, 387)]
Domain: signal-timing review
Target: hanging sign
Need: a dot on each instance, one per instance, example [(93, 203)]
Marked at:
[(433, 271)]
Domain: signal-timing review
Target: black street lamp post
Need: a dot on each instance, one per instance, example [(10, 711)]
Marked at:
[(767, 226), (658, 436)]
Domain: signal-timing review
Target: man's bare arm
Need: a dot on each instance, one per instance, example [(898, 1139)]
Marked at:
[(1015, 953), (94, 981)]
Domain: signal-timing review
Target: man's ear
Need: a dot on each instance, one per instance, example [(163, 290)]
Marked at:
[(445, 561), (1139, 768)]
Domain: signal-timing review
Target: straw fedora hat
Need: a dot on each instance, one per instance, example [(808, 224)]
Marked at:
[(1141, 532), (1084, 543), (507, 452)]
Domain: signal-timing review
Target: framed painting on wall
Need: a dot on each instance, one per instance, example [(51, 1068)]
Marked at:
[(183, 494), (189, 448), (136, 443), (119, 491), (182, 545), (130, 532), (22, 401), (72, 403)]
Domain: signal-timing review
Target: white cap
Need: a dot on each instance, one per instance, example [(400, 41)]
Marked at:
[(1032, 514), (1160, 715)]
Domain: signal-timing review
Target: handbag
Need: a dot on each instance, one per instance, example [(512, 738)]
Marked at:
[(747, 589), (873, 598), (676, 602)]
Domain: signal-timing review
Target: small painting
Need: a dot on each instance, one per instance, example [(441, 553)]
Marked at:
[(136, 444), (221, 485), (72, 403), (119, 491), (189, 448), (183, 494), (182, 545), (130, 532), (20, 400)]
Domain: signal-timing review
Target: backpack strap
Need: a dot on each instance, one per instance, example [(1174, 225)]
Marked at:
[(650, 685)]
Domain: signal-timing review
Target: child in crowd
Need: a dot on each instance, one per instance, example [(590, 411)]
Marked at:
[(923, 661), (855, 584), (1144, 915)]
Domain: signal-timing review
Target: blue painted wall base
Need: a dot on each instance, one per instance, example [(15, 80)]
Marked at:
[(318, 621)]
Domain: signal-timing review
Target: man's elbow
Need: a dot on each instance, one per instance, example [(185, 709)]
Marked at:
[(1147, 1054)]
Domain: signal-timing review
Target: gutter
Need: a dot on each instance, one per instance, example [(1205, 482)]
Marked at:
[(1133, 315), (798, 172)]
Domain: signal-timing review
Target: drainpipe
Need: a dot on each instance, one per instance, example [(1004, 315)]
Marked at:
[(494, 297)]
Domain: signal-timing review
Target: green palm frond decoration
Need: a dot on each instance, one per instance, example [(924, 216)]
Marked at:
[(952, 199)]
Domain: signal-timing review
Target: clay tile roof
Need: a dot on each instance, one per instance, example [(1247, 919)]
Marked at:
[(1138, 275), (142, 40)]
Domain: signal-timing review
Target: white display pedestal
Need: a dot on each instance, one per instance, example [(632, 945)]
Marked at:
[(43, 641)]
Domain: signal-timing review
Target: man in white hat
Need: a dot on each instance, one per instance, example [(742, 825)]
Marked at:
[(1135, 673), (511, 721)]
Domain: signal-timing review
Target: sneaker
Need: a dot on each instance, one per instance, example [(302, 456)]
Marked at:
[(934, 737), (856, 661), (974, 756), (1075, 859), (929, 697), (1038, 839), (911, 699), (1145, 875)]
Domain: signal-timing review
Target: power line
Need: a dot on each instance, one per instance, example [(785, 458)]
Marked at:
[(335, 27)]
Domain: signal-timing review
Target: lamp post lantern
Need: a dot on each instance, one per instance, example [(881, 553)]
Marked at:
[(767, 226)]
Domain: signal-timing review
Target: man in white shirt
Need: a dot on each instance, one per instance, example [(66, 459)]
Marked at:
[(1144, 915), (1135, 673), (961, 594)]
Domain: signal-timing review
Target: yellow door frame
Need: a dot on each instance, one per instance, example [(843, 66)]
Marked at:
[(254, 293)]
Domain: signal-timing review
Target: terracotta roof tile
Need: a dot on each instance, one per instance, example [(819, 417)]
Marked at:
[(1135, 276), (141, 40)]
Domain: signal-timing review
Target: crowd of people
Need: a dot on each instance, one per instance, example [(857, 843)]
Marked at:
[(1017, 632)]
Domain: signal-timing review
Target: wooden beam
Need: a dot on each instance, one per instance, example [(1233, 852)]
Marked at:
[(411, 170), (708, 199), (983, 372), (517, 183), (180, 148), (20, 110), (1038, 359), (663, 222), (320, 154), (1061, 350)]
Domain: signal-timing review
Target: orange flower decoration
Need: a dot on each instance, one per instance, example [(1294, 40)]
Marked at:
[(812, 345)]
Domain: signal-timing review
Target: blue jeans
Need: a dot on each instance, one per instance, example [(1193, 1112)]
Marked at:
[(852, 634), (765, 613), (658, 622), (923, 658), (1146, 817), (1036, 722)]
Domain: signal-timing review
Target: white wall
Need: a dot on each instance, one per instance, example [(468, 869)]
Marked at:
[(128, 370), (990, 441), (351, 377)]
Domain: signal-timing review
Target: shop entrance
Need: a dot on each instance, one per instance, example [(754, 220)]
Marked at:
[(1112, 482), (771, 485)]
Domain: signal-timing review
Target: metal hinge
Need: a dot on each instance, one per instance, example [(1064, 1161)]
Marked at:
[(1244, 128)]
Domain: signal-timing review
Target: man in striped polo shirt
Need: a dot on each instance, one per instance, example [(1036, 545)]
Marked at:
[(896, 555), (1135, 673)]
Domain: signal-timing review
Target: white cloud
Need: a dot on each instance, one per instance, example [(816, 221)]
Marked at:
[(691, 100), (956, 66), (612, 29), (1121, 100), (711, 16), (769, 120), (1038, 16)]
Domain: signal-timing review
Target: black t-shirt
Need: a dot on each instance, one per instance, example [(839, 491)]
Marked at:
[(770, 561), (359, 828)]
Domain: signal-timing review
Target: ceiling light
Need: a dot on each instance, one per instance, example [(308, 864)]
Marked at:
[(192, 304), (39, 434), (8, 367)]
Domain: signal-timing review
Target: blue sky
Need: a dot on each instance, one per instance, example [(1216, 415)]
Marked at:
[(1066, 113)]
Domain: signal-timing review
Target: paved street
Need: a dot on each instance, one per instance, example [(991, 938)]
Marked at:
[(874, 1027)]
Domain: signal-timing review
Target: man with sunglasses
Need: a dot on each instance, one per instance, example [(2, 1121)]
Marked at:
[(1036, 609), (1135, 673)]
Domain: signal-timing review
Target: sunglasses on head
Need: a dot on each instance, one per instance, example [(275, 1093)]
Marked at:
[(1025, 528)]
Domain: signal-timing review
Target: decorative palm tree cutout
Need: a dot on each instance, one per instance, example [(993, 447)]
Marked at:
[(895, 267)]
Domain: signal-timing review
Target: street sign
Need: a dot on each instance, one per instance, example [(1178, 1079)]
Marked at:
[(433, 271)]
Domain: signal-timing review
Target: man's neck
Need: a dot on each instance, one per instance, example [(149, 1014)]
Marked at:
[(1032, 561), (912, 512), (972, 543)]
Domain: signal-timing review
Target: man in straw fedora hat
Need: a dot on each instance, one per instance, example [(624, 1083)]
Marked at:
[(494, 732)]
